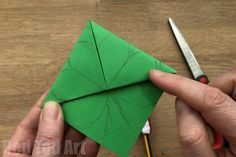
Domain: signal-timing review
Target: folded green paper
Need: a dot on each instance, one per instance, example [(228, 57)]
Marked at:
[(104, 88)]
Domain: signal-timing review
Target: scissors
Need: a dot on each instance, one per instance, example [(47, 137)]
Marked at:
[(198, 74)]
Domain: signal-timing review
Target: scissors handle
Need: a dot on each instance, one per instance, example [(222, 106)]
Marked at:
[(203, 79), (218, 138)]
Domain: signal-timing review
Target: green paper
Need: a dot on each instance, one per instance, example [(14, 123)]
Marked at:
[(104, 88)]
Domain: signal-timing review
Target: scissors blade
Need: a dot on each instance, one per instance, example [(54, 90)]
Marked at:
[(187, 52)]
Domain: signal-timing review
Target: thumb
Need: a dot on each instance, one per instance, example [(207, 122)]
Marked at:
[(50, 131)]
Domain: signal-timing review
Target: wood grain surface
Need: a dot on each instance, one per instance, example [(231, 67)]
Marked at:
[(36, 37)]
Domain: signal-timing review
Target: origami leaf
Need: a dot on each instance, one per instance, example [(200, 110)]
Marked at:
[(104, 88)]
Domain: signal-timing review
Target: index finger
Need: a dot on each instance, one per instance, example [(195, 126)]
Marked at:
[(218, 109), (200, 96), (22, 140)]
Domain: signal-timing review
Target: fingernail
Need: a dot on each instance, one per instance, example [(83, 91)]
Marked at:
[(50, 110), (156, 73)]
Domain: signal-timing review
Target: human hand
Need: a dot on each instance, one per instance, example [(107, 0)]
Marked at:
[(42, 134), (197, 103)]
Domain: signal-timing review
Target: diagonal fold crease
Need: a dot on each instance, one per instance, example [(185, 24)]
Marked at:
[(99, 57)]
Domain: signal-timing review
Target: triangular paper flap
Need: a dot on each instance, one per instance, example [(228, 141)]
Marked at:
[(101, 61), (82, 74), (114, 118), (122, 63)]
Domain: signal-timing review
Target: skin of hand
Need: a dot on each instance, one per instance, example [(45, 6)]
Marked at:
[(43, 130), (198, 103), (42, 133)]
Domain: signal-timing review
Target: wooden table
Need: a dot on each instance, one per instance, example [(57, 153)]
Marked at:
[(36, 37)]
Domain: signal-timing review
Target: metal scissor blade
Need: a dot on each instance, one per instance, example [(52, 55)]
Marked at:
[(187, 52)]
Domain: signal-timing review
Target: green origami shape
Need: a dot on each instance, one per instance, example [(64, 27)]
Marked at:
[(104, 88)]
